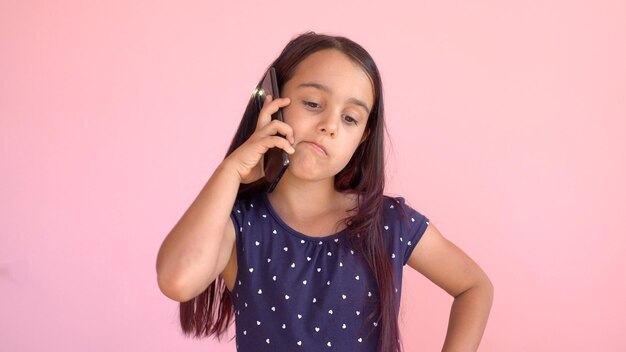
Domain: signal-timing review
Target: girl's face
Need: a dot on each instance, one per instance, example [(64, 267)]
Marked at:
[(331, 99)]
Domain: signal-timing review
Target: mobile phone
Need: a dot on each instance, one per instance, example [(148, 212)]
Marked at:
[(276, 160)]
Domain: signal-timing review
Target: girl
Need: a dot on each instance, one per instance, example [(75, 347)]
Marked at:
[(317, 264)]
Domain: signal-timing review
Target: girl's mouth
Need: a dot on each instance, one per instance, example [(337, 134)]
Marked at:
[(318, 148)]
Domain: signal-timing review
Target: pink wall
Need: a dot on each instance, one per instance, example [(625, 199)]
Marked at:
[(508, 122)]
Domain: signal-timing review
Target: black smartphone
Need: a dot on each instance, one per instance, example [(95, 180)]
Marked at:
[(276, 160)]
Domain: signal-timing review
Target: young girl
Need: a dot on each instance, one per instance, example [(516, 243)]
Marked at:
[(316, 264)]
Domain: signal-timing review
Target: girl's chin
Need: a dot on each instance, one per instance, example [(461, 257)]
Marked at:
[(311, 169), (310, 174)]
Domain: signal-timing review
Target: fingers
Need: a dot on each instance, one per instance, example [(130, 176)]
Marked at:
[(270, 106), (277, 127), (268, 127), (278, 142), (267, 135)]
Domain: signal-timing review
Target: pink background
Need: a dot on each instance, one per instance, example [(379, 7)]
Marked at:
[(508, 126)]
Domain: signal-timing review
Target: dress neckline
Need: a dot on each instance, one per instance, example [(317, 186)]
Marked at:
[(295, 232)]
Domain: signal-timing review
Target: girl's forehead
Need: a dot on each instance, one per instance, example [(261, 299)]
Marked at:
[(334, 69)]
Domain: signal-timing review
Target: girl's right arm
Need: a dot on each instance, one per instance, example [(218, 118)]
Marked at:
[(197, 249)]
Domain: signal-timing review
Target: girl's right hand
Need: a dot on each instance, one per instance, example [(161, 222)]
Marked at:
[(248, 157)]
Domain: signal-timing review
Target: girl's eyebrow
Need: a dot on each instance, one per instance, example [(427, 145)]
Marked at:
[(328, 90)]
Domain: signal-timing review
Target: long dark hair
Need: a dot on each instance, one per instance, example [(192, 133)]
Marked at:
[(211, 312)]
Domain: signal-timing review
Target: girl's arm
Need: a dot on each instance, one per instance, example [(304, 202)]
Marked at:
[(199, 246), (451, 269)]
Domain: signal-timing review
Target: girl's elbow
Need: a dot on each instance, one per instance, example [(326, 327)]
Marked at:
[(178, 289), (172, 289), (481, 286), (487, 289), (485, 284)]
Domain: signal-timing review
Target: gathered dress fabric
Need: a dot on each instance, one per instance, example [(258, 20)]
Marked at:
[(295, 292)]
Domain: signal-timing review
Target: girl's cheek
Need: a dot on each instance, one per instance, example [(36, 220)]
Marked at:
[(290, 114), (287, 116), (287, 112)]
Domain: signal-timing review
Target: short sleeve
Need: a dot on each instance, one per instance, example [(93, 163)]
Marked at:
[(414, 225)]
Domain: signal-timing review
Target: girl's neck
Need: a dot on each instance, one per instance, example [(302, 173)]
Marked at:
[(310, 201)]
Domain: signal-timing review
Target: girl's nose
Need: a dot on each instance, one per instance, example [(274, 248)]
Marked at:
[(327, 131), (328, 124)]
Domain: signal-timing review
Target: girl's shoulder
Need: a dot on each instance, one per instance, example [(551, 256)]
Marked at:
[(397, 207), (402, 226)]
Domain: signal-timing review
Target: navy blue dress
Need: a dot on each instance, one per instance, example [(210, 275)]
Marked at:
[(295, 292)]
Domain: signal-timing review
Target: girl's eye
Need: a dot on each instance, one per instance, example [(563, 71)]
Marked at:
[(311, 104), (350, 119)]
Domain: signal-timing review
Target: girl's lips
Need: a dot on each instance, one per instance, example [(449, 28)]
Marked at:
[(320, 149)]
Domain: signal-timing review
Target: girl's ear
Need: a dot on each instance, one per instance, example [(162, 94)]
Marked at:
[(366, 134)]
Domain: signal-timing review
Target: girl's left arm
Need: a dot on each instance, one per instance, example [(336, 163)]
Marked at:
[(450, 268)]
